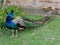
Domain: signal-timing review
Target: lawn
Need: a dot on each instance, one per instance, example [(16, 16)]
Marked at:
[(48, 34)]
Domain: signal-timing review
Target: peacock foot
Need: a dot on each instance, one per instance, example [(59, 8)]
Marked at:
[(16, 36), (12, 36)]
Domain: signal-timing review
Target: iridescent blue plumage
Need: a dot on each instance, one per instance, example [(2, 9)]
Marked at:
[(24, 23), (9, 22)]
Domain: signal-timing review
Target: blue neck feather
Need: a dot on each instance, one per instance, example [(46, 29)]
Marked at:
[(9, 17)]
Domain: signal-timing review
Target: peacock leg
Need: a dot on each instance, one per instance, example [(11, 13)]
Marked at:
[(12, 33), (16, 32)]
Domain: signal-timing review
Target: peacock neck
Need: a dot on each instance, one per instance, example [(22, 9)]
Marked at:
[(9, 17)]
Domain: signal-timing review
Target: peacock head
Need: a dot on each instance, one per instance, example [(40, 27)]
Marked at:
[(12, 11)]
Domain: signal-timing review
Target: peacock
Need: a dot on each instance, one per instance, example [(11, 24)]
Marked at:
[(20, 23)]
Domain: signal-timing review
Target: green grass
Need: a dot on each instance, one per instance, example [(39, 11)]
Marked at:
[(34, 17), (48, 34)]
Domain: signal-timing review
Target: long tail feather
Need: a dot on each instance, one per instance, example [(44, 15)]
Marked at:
[(43, 20)]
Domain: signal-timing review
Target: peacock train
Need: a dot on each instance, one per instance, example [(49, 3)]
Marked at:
[(20, 23)]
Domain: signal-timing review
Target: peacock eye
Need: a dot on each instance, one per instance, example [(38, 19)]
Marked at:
[(6, 13)]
